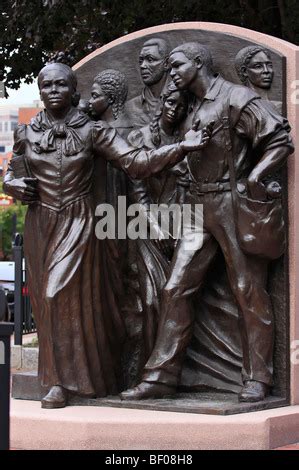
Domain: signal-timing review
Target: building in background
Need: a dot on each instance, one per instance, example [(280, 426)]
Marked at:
[(9, 119), (8, 122), (5, 201), (26, 113), (4, 160)]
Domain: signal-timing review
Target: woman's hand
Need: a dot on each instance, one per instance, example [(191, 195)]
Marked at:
[(196, 140), (24, 189)]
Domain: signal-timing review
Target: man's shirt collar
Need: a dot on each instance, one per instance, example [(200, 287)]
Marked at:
[(215, 88)]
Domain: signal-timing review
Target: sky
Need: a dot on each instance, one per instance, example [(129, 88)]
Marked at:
[(26, 94)]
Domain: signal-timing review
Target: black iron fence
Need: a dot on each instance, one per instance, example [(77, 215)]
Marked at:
[(6, 330), (23, 317)]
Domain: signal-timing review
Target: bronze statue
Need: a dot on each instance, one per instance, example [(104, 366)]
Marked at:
[(250, 141), (168, 187), (153, 63), (79, 333)]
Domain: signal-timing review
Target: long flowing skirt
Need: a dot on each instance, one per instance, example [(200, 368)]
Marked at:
[(79, 325)]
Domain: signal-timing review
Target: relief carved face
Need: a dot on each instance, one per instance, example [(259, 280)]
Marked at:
[(152, 65), (259, 71), (183, 70), (98, 102), (175, 108)]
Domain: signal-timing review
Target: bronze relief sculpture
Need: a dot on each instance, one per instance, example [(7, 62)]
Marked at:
[(206, 315), (107, 103), (168, 187), (80, 334), (249, 141), (108, 97)]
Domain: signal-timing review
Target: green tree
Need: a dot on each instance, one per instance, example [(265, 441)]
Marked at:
[(6, 225), (33, 32)]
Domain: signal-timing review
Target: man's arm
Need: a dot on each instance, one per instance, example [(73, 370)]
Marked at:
[(268, 133), (271, 161)]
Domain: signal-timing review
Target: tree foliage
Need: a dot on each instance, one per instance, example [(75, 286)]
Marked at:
[(6, 225), (34, 32)]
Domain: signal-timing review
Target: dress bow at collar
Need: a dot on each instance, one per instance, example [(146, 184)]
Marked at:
[(72, 143)]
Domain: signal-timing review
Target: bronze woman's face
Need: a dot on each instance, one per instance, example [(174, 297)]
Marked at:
[(260, 70), (98, 102), (175, 108), (56, 89)]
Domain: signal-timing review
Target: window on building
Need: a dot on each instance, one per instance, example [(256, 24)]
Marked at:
[(5, 126), (13, 125)]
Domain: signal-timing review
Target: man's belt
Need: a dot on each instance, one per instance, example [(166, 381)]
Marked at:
[(202, 188)]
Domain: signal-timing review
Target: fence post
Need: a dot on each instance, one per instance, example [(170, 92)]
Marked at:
[(6, 330), (18, 307), (3, 305)]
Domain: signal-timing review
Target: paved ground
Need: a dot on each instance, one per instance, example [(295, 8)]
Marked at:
[(26, 338)]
